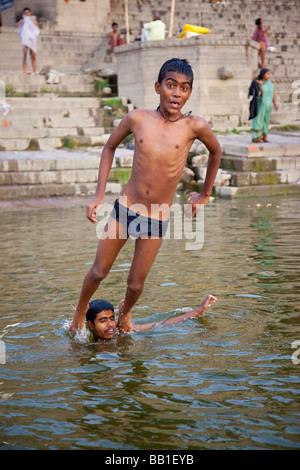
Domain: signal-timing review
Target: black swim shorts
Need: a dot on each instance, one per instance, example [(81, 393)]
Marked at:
[(137, 224)]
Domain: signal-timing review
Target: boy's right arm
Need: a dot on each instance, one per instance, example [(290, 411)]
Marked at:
[(117, 136)]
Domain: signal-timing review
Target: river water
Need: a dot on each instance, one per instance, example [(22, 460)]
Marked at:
[(227, 380)]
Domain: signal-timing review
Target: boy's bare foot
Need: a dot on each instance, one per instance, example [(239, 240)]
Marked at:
[(77, 322), (124, 321)]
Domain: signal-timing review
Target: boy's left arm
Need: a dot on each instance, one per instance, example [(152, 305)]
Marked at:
[(205, 134)]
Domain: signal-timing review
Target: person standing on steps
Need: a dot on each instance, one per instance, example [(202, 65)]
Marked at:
[(260, 123), (28, 30)]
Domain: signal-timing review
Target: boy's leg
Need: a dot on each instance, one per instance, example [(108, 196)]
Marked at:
[(145, 253), (108, 248)]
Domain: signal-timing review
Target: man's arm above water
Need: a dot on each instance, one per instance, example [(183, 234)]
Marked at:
[(185, 316)]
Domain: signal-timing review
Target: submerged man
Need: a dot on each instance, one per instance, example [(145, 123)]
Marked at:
[(101, 318)]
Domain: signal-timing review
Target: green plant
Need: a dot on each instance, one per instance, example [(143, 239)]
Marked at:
[(9, 89), (100, 84)]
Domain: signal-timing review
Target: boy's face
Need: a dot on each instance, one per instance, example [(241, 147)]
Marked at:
[(104, 325), (174, 90)]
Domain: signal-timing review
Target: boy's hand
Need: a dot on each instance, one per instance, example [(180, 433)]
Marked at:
[(196, 203), (92, 209)]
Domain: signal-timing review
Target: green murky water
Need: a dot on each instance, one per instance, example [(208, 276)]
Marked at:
[(223, 381)]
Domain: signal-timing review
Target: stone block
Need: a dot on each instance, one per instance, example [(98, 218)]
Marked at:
[(223, 178), (198, 148), (124, 161), (99, 140), (187, 175), (199, 160), (50, 143), (240, 179), (226, 191), (292, 176), (271, 178)]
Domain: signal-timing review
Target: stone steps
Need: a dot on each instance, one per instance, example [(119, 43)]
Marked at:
[(46, 122), (248, 169), (67, 83), (52, 142), (65, 52), (219, 17), (22, 133), (262, 165), (56, 173)]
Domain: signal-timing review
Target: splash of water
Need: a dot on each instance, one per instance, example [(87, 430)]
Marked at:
[(83, 336)]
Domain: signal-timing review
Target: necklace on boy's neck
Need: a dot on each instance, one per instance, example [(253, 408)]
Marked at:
[(174, 120)]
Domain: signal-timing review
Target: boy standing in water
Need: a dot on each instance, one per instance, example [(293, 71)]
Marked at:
[(163, 138)]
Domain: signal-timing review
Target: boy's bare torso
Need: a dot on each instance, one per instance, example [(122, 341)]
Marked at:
[(161, 149)]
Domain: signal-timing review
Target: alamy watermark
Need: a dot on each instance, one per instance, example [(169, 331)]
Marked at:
[(2, 352), (177, 220), (3, 105), (295, 358)]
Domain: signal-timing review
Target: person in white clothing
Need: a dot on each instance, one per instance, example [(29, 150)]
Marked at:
[(156, 29), (28, 30)]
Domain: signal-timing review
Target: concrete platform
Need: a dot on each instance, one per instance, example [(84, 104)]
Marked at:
[(281, 144), (257, 169)]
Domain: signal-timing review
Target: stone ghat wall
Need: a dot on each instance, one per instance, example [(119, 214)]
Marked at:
[(222, 102), (230, 17)]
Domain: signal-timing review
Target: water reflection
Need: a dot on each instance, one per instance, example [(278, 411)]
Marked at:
[(224, 381)]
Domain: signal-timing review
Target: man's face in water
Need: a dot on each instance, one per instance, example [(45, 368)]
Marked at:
[(104, 325)]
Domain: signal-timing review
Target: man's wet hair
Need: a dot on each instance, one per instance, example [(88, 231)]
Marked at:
[(176, 65), (97, 306)]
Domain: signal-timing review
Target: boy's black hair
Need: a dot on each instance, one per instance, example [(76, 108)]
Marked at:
[(26, 9), (97, 306), (114, 23), (176, 65), (258, 22)]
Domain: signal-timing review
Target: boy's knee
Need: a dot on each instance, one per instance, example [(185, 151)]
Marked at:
[(135, 285), (98, 273)]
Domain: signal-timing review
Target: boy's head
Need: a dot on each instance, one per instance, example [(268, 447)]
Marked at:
[(174, 85), (27, 11), (258, 22), (101, 320), (114, 26), (180, 66)]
